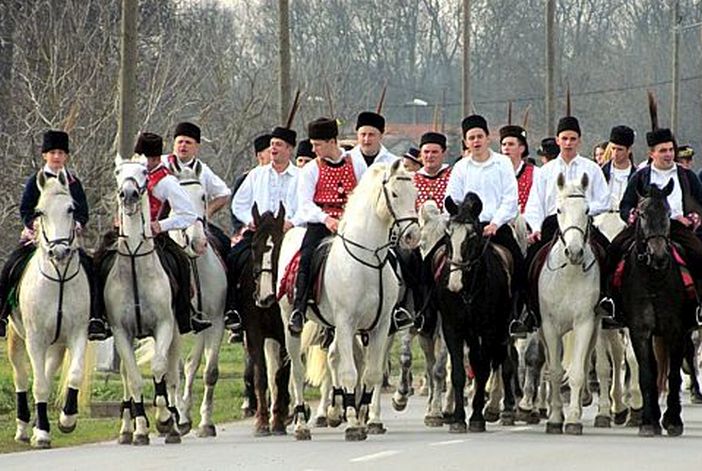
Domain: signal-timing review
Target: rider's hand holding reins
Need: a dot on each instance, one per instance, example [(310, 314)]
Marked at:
[(534, 237), (155, 228), (490, 230), (332, 224)]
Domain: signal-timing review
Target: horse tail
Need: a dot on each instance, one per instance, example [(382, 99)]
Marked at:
[(316, 365), (146, 348), (86, 385)]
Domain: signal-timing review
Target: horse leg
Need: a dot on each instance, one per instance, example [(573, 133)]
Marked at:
[(69, 414), (165, 369), (127, 410), (672, 422), (533, 359), (255, 345), (635, 398), (297, 371), (584, 338), (133, 384), (185, 401), (619, 407), (509, 383), (604, 375), (480, 363), (41, 437), (404, 387), (661, 352), (375, 365), (554, 353), (642, 343), (19, 361), (494, 396), (454, 343), (432, 417), (281, 404)]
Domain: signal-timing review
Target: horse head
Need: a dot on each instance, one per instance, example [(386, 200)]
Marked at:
[(194, 238), (131, 177), (399, 197), (466, 242), (432, 226), (265, 250), (653, 225), (573, 218), (55, 222)]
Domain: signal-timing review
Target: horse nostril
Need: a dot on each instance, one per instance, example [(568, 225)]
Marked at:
[(567, 252)]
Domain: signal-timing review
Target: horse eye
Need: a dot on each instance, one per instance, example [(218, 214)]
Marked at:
[(71, 210), (558, 211), (394, 195)]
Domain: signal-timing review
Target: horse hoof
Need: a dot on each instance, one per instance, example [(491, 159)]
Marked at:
[(67, 428), (674, 430), (554, 429), (695, 397), (507, 418), (140, 440), (41, 443), (534, 418), (433, 421), (476, 426), (173, 438), (491, 415), (333, 422), (448, 418), (602, 421), (355, 434), (249, 413), (647, 431), (303, 434), (125, 438), (321, 422), (543, 414), (620, 417), (574, 429), (164, 427), (376, 428), (262, 431), (185, 428), (205, 431), (635, 418), (399, 406), (458, 427), (278, 430), (523, 415), (19, 438)]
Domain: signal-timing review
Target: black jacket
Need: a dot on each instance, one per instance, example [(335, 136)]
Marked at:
[(30, 198), (691, 191), (607, 170)]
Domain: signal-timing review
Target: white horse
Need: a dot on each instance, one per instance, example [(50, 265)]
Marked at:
[(210, 280), (359, 291), (613, 353), (571, 267), (138, 301), (54, 308)]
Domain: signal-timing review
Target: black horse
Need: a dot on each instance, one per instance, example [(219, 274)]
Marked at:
[(261, 320), (474, 300), (655, 302)]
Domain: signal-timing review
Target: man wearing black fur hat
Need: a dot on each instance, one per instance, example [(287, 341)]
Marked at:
[(540, 210), (620, 167), (513, 144), (55, 152), (323, 189), (370, 128), (262, 146)]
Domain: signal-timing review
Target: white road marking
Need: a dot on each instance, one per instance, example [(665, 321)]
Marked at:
[(447, 442), (375, 456), (517, 429)]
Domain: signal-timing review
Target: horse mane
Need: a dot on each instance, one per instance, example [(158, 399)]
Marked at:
[(53, 187), (368, 189)]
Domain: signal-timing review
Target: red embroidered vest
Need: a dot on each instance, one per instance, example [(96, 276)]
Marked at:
[(432, 188), (334, 185), (524, 181), (152, 180)]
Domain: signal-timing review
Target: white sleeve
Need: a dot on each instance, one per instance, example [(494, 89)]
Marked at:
[(291, 201), (533, 211), (359, 165), (600, 193), (456, 183), (214, 186), (509, 201), (182, 211), (243, 200), (308, 211)]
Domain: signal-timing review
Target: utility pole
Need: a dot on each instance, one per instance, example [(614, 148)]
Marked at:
[(466, 59), (676, 66), (284, 58), (550, 66), (126, 126)]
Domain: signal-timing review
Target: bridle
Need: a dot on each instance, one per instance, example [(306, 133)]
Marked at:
[(469, 264), (585, 233)]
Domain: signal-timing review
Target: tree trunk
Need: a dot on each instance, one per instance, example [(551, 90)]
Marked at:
[(466, 58), (550, 66), (126, 126), (284, 58)]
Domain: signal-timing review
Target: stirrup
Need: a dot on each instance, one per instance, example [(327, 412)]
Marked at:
[(605, 308), (98, 330), (698, 315), (198, 324), (401, 318), (232, 320), (518, 329), (296, 322)]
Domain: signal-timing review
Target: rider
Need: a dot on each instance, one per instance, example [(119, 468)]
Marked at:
[(262, 145), (491, 176), (304, 154), (685, 203), (323, 189), (55, 153), (620, 168), (370, 128), (186, 146), (266, 186), (540, 210), (513, 144)]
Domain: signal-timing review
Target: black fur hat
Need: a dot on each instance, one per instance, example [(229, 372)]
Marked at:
[(149, 144), (55, 140)]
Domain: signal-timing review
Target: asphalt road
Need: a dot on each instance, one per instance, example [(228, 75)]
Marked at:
[(408, 445)]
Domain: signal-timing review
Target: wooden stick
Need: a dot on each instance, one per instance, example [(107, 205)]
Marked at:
[(293, 109), (379, 108)]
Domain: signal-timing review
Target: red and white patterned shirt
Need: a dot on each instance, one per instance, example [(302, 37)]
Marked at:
[(432, 187)]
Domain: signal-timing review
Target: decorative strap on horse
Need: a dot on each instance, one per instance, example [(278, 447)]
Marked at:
[(61, 279)]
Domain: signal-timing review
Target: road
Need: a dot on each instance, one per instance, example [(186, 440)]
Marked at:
[(408, 445)]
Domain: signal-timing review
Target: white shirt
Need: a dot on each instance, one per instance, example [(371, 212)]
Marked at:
[(542, 198), (383, 157), (493, 181), (267, 188), (307, 211), (182, 213), (213, 185), (618, 180), (660, 178)]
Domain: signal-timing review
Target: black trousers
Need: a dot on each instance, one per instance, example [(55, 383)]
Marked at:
[(505, 237), (314, 235), (236, 261), (219, 240)]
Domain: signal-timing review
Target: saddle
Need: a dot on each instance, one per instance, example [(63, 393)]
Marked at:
[(319, 261)]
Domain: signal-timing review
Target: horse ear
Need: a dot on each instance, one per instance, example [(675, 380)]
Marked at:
[(475, 205), (256, 215), (451, 206), (174, 166), (584, 181), (62, 178), (281, 213), (41, 180), (198, 168), (560, 181), (395, 166), (118, 160), (641, 188), (668, 188)]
